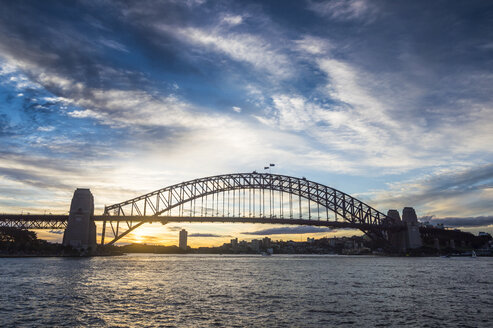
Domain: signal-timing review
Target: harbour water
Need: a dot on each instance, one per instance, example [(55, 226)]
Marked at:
[(146, 290)]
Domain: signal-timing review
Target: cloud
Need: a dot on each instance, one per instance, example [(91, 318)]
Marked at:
[(232, 19), (207, 235), (313, 45), (241, 47), (33, 178), (344, 9), (46, 128), (479, 221), (236, 109), (114, 45), (173, 228), (449, 191), (288, 231)]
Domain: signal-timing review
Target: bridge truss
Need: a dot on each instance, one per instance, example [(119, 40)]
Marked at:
[(245, 197), (34, 221)]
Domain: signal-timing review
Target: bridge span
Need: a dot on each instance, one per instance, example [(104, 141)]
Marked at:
[(240, 197)]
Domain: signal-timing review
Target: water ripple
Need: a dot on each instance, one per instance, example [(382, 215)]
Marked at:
[(237, 291)]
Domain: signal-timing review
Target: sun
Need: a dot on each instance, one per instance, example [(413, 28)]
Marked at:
[(148, 234), (137, 236)]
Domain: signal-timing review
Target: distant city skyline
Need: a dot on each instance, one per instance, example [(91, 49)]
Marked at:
[(387, 101)]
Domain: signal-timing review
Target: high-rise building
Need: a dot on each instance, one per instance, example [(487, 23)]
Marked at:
[(183, 239)]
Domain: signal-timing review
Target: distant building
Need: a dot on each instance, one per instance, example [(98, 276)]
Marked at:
[(183, 239), (255, 244)]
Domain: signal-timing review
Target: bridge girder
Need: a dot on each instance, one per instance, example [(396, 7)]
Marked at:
[(33, 221)]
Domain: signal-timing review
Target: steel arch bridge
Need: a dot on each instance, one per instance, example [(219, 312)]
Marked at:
[(248, 198)]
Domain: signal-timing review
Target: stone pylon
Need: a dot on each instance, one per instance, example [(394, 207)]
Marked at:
[(81, 229), (413, 236), (397, 238)]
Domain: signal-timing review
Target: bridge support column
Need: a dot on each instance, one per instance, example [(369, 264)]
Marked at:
[(397, 238), (81, 229), (436, 244), (413, 236)]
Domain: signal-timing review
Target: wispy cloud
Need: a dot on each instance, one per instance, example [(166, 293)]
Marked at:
[(344, 9), (241, 47), (208, 235), (113, 45), (232, 19), (288, 231), (173, 228)]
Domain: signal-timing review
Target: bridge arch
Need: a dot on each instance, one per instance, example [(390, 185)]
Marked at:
[(158, 205)]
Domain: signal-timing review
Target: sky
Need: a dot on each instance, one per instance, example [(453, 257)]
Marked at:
[(389, 101)]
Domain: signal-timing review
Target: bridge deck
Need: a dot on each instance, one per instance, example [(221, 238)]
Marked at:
[(50, 221)]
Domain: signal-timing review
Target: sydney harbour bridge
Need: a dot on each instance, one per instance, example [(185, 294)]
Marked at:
[(238, 198)]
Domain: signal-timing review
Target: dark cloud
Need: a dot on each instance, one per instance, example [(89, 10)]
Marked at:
[(479, 177), (55, 39), (174, 228), (478, 221), (452, 184), (207, 235), (288, 231), (33, 179), (70, 166)]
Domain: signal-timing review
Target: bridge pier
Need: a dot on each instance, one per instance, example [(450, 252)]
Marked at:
[(410, 237), (397, 238), (413, 236), (81, 229)]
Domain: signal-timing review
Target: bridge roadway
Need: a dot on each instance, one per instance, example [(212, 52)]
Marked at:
[(54, 221)]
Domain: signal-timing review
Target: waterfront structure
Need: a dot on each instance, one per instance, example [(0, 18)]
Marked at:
[(241, 197), (81, 229), (413, 237), (183, 239), (409, 237)]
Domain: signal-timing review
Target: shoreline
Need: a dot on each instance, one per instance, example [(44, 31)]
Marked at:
[(260, 255)]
